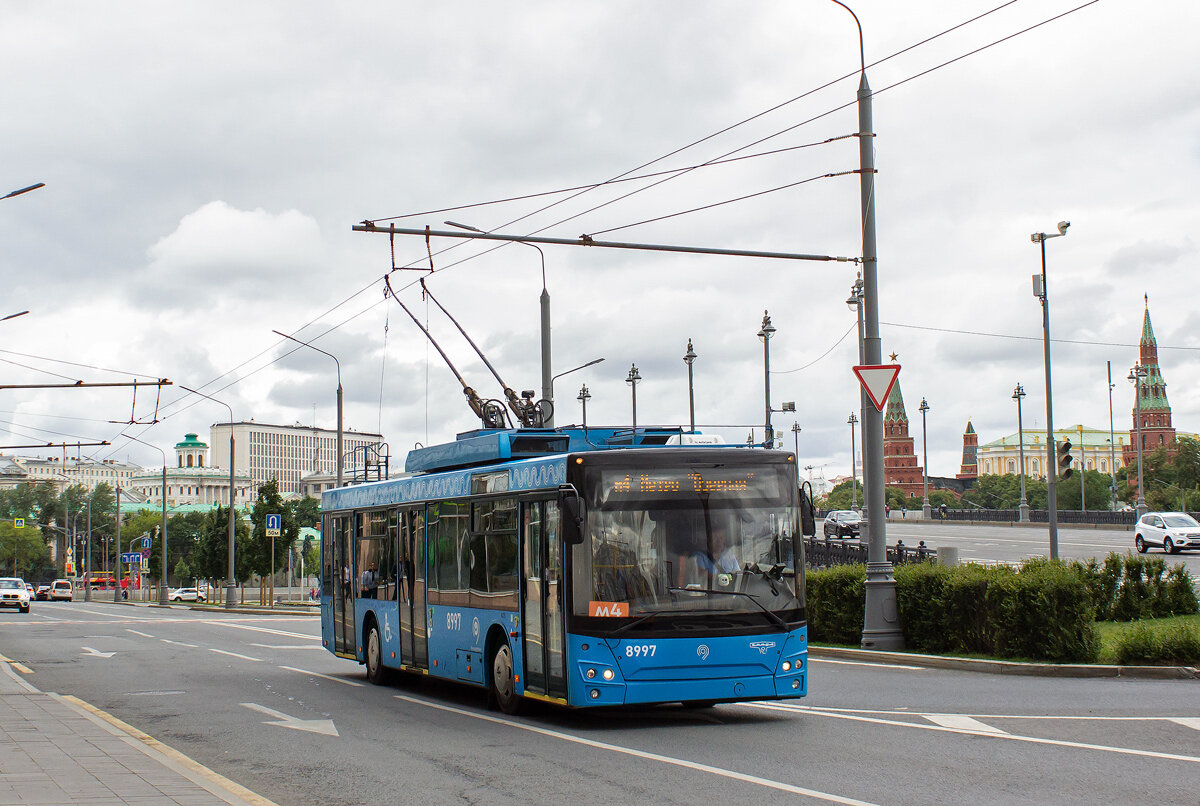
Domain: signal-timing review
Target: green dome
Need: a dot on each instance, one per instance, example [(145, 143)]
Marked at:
[(190, 441)]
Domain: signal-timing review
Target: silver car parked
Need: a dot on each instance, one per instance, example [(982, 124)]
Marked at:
[(1172, 531)]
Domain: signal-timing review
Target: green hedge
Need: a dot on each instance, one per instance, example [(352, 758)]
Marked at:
[(1045, 610)]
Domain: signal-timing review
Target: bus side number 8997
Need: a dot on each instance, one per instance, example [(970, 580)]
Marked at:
[(640, 650)]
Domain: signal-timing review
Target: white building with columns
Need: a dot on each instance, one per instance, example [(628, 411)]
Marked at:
[(1091, 448), (194, 480)]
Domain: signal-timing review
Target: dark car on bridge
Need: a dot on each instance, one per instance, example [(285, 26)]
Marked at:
[(842, 523)]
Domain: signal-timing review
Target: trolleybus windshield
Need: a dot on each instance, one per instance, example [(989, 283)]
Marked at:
[(713, 541)]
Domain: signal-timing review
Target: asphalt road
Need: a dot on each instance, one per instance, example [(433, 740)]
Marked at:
[(256, 699), (986, 543)]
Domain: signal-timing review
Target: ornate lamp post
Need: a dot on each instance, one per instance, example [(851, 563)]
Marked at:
[(852, 421), (926, 510), (1023, 508), (632, 379), (765, 333), (689, 358), (584, 397), (1135, 377)]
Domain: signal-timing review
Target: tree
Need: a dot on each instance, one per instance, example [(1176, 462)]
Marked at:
[(23, 552), (270, 502), (306, 512)]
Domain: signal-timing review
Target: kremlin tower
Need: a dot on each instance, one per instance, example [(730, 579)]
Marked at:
[(900, 468), (1157, 430)]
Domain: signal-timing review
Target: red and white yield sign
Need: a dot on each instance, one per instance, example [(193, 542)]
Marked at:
[(878, 381)]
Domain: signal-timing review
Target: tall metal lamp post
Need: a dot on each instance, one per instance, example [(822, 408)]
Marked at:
[(852, 421), (231, 579), (1023, 507), (340, 459), (544, 302), (632, 379), (765, 333), (1039, 291), (1135, 376), (1112, 444), (926, 509), (584, 397), (162, 591), (689, 358)]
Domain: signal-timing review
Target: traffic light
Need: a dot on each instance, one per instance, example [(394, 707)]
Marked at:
[(1064, 459)]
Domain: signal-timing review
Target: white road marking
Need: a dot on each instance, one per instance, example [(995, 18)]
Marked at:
[(95, 653), (177, 643), (264, 629), (22, 668), (961, 722), (323, 676), (235, 655), (1187, 721), (135, 632), (1060, 717), (1128, 751), (678, 762), (322, 726), (287, 646), (811, 659)]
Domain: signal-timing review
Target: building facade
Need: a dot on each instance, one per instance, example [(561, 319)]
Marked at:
[(192, 482), (64, 473), (900, 468), (969, 469), (287, 453), (1091, 448), (1157, 430)]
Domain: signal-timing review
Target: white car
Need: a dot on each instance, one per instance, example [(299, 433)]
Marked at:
[(187, 595), (14, 593), (62, 590), (1173, 531)]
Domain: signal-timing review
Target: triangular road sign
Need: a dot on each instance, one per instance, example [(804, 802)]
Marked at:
[(878, 381)]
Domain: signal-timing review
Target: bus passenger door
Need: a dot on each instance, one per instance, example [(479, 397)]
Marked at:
[(542, 598), (414, 636), (343, 588)]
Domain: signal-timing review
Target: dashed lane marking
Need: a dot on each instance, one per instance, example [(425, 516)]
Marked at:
[(341, 680), (235, 655), (677, 762)]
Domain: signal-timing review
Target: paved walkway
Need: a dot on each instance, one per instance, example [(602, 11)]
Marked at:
[(60, 750)]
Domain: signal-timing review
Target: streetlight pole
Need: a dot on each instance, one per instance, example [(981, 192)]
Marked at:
[(584, 397), (1023, 508), (117, 539), (339, 397), (1040, 291), (1135, 376), (231, 579), (544, 302), (765, 333), (881, 627), (162, 592), (10, 194), (796, 449), (1112, 444), (1082, 472), (632, 379), (689, 358), (593, 362), (87, 551), (852, 421), (926, 509)]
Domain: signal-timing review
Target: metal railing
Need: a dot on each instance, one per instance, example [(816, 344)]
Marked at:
[(824, 552)]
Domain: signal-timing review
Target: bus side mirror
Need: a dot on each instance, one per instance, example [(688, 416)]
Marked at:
[(572, 506), (808, 519)]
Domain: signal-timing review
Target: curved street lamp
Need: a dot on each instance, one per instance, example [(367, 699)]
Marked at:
[(162, 591), (852, 421), (1039, 291), (1023, 507), (689, 358), (339, 397)]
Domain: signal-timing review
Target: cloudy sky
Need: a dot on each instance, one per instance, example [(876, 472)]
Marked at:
[(204, 165)]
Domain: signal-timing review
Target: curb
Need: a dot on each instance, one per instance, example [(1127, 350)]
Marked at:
[(1009, 667)]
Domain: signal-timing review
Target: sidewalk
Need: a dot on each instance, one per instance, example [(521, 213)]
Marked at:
[(60, 750)]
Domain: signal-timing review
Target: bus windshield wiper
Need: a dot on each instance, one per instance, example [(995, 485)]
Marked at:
[(770, 614), (641, 619)]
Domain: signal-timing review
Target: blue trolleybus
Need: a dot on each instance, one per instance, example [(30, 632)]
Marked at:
[(579, 568)]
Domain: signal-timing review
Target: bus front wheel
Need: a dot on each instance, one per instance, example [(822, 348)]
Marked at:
[(376, 672), (503, 685)]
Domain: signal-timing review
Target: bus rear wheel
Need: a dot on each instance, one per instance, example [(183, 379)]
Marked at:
[(376, 672), (503, 684)]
